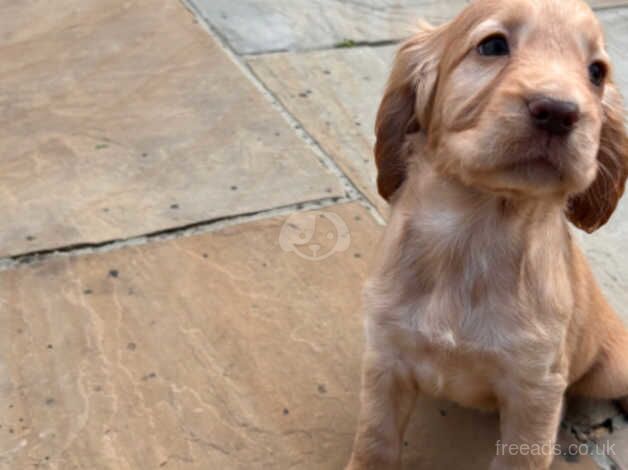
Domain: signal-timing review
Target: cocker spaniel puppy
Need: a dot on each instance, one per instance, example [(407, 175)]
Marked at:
[(495, 131)]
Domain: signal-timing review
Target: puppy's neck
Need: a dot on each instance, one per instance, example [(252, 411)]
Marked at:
[(469, 255), (432, 199), (439, 227)]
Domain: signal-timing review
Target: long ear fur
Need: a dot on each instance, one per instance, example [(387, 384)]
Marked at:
[(592, 209), (405, 106)]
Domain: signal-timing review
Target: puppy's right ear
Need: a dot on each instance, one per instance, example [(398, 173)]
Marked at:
[(592, 209), (406, 106)]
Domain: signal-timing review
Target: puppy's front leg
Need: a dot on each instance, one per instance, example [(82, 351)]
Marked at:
[(529, 417), (387, 399)]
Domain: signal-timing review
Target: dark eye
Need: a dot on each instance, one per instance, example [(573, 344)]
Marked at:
[(494, 46), (597, 73)]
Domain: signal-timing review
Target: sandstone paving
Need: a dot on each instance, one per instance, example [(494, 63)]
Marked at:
[(224, 350), (256, 26), (122, 118), (234, 349), (615, 22), (607, 4), (617, 443), (335, 95)]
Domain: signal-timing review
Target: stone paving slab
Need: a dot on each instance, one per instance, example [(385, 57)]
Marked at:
[(605, 250), (334, 94), (619, 442), (227, 350), (615, 22), (119, 118), (254, 26), (215, 351), (603, 4)]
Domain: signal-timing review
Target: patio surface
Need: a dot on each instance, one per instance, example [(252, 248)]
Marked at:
[(160, 162)]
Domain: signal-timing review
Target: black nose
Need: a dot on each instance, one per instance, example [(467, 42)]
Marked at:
[(556, 117)]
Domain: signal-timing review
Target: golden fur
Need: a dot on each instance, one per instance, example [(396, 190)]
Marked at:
[(479, 294)]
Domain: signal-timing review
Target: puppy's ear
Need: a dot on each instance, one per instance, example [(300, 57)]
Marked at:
[(592, 209), (405, 106)]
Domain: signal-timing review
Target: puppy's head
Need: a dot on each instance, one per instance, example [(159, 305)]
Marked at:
[(514, 97)]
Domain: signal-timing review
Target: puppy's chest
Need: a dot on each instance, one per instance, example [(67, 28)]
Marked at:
[(469, 309), (461, 350), (479, 285), (483, 295), (454, 349)]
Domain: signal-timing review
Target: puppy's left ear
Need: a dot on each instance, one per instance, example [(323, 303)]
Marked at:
[(406, 104), (592, 209)]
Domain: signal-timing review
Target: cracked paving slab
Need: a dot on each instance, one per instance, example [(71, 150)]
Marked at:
[(256, 26), (230, 349), (122, 118)]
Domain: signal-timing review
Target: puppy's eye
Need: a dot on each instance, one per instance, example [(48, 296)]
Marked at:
[(597, 73), (495, 45)]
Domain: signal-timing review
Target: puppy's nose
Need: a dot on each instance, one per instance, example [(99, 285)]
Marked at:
[(556, 117)]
